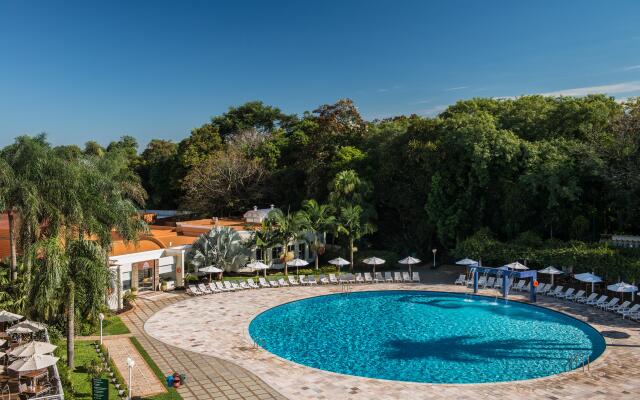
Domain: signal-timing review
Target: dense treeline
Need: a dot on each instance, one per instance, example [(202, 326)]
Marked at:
[(565, 168)]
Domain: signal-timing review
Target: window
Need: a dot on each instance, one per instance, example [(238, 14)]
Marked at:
[(301, 250), (126, 280), (258, 254), (291, 248), (275, 253)]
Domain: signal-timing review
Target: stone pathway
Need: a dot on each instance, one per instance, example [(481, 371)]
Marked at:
[(145, 382), (216, 327), (207, 377)]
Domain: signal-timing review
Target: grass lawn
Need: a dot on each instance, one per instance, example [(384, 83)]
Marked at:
[(112, 325), (172, 394), (79, 377)]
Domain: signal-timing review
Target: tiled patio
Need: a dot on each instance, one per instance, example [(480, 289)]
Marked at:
[(214, 329)]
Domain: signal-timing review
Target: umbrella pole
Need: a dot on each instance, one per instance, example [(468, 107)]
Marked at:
[(552, 279)]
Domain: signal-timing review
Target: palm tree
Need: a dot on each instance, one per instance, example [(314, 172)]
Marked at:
[(222, 247), (286, 228), (316, 219), (353, 224), (263, 238)]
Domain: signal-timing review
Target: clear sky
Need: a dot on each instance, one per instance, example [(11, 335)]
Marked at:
[(82, 70)]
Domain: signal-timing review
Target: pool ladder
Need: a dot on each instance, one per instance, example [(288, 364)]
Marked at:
[(577, 359), (346, 288)]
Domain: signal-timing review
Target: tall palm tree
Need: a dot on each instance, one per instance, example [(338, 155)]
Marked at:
[(263, 238), (316, 219), (353, 224), (286, 228), (222, 247)]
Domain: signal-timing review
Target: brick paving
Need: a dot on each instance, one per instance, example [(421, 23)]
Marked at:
[(207, 377)]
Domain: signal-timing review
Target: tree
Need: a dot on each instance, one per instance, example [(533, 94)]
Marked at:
[(316, 219), (222, 247), (202, 143), (286, 228), (159, 173), (263, 238), (254, 115), (353, 224)]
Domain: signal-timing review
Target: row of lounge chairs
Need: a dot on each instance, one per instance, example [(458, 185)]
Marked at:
[(237, 285), (626, 309)]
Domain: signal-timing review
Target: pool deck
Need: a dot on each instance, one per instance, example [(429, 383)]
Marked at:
[(216, 328)]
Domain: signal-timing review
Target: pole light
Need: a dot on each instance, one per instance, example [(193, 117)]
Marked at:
[(130, 364), (101, 317), (434, 257)]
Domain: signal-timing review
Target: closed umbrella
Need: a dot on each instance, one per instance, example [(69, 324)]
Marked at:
[(339, 262), (588, 277), (6, 316), (31, 348), (33, 363), (517, 266), (211, 270), (622, 288), (551, 271), (410, 261), (373, 261), (257, 266), (296, 262)]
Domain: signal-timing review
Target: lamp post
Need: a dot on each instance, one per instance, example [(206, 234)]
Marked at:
[(101, 318), (434, 257), (130, 364)]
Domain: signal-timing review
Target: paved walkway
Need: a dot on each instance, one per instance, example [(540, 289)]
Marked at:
[(145, 382), (207, 377), (216, 327)]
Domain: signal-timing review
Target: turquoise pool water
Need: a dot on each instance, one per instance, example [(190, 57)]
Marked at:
[(423, 336)]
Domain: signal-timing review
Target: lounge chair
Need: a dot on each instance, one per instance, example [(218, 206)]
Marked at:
[(333, 279), (359, 278), (596, 303), (213, 288), (388, 277), (623, 306), (303, 280), (343, 279), (221, 287), (193, 291), (203, 289), (292, 281), (564, 295), (490, 282), (397, 277), (481, 281), (311, 280), (415, 278), (462, 279), (282, 282), (518, 287), (273, 283), (556, 291), (228, 286), (377, 278), (243, 285), (368, 278), (324, 280), (252, 284), (586, 300), (498, 284), (235, 285), (630, 312), (263, 283), (351, 278), (406, 277), (574, 296), (610, 303)]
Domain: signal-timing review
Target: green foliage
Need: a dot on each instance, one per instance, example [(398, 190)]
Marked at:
[(111, 325), (221, 247), (172, 394)]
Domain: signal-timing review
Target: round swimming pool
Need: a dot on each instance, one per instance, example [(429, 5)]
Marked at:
[(421, 336)]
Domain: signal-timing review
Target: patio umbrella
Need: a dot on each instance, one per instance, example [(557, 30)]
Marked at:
[(296, 262), (410, 261), (622, 288), (517, 266), (588, 277), (339, 262), (373, 261), (6, 316), (257, 266), (466, 262), (33, 363), (551, 271), (31, 348), (211, 270), (27, 326)]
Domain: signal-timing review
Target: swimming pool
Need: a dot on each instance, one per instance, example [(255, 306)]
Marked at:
[(421, 336)]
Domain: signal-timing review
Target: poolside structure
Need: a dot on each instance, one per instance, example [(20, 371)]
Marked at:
[(506, 274)]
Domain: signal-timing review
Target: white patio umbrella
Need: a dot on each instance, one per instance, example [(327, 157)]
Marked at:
[(410, 261), (466, 262), (27, 327), (31, 348), (374, 261), (339, 262), (517, 266), (296, 262), (6, 316), (551, 271), (588, 277), (211, 270), (257, 266), (33, 363), (622, 288)]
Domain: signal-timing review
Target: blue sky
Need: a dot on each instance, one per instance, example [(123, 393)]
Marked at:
[(82, 70)]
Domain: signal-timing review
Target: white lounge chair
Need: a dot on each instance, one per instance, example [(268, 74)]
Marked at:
[(596, 303), (518, 287), (586, 300), (333, 279), (630, 312), (282, 283), (498, 284), (368, 278), (193, 290), (377, 278), (397, 277), (324, 280), (263, 283), (292, 280), (243, 285), (351, 278), (462, 279), (610, 303), (555, 291), (252, 284), (388, 277), (564, 295), (311, 280), (575, 296), (359, 278), (235, 285), (406, 277), (228, 286), (415, 278), (303, 280), (623, 306), (343, 278), (273, 283), (213, 288), (203, 289)]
